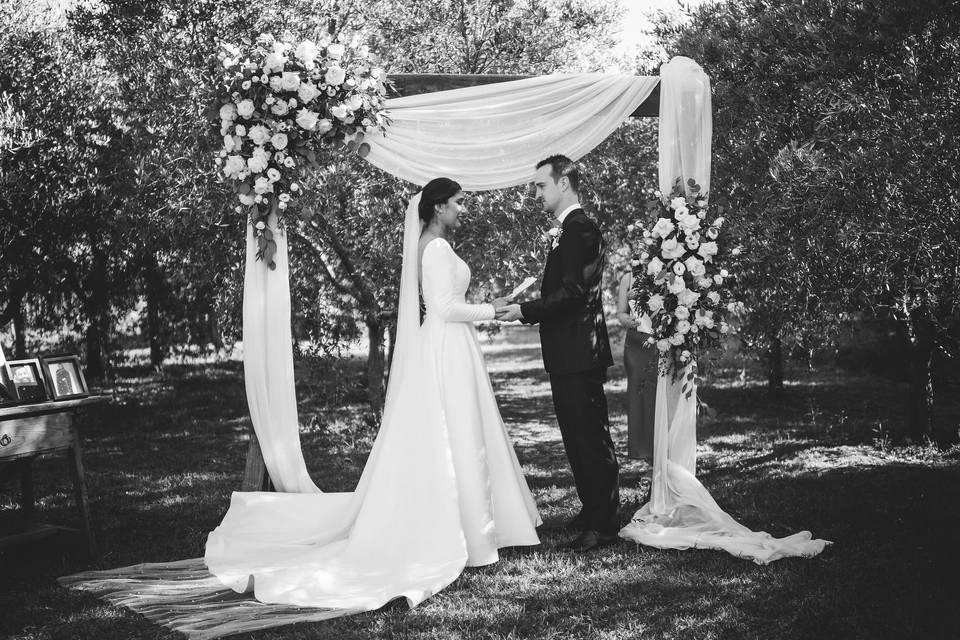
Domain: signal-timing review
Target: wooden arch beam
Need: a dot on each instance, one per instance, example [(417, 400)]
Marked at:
[(411, 84)]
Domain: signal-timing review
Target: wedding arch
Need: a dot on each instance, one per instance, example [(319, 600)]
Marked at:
[(487, 135)]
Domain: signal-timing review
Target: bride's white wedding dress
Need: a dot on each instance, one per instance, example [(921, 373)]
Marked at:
[(441, 490)]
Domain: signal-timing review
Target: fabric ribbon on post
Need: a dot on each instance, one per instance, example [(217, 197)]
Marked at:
[(681, 513)]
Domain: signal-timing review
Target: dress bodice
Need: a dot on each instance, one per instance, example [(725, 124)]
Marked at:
[(446, 278)]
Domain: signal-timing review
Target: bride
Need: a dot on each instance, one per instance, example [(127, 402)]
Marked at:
[(442, 488)]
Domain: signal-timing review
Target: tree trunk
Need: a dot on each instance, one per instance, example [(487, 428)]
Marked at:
[(774, 361), (19, 333), (96, 312), (920, 374), (376, 364), (154, 285)]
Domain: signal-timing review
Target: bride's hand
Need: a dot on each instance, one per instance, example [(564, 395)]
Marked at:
[(500, 303)]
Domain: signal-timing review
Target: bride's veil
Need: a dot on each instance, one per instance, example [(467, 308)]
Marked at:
[(408, 307)]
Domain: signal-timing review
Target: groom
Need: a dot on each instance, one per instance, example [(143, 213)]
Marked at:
[(576, 351)]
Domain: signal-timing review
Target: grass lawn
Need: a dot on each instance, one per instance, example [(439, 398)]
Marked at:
[(164, 455)]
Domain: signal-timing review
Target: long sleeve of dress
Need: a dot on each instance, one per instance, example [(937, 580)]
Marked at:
[(440, 293)]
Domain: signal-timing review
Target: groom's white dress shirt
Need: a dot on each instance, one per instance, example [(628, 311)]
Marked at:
[(566, 212)]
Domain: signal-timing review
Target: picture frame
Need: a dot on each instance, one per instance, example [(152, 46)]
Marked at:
[(27, 381), (64, 376)]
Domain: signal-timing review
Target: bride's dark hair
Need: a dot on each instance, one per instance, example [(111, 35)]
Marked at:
[(435, 192)]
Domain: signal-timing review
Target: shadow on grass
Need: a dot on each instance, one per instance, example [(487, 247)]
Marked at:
[(164, 456)]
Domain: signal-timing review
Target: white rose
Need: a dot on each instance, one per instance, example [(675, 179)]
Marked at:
[(695, 267), (704, 283), (732, 307), (724, 273), (677, 287), (724, 327), (685, 355), (307, 92), (228, 143), (335, 76), (688, 298), (678, 203), (276, 83), (279, 141), (654, 267), (294, 187), (683, 326), (679, 268), (290, 81), (281, 108), (663, 345), (681, 312), (662, 229), (274, 62), (241, 130), (262, 185), (259, 134), (335, 51), (708, 250), (288, 162), (655, 303), (246, 198), (670, 249), (272, 174), (246, 84), (245, 108), (735, 251), (307, 119), (233, 166), (714, 297), (712, 233), (284, 197), (340, 112), (324, 125), (688, 222), (259, 161), (718, 222), (676, 339), (228, 111), (376, 72), (354, 102), (306, 53), (718, 279)]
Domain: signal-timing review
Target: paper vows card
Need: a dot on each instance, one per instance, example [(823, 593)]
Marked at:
[(523, 286)]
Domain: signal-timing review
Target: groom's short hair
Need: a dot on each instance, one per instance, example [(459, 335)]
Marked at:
[(560, 166)]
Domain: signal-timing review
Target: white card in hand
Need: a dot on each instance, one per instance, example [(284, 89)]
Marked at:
[(523, 286)]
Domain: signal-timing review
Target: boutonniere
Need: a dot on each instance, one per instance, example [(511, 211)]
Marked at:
[(554, 236)]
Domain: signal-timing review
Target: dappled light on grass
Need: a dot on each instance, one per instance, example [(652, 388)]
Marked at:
[(163, 458)]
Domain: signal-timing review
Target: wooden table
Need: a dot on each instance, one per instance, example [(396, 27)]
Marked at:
[(27, 432)]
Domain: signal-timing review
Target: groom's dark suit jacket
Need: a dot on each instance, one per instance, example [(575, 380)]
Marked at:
[(573, 332)]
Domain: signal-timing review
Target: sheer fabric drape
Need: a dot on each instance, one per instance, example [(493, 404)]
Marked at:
[(681, 512)]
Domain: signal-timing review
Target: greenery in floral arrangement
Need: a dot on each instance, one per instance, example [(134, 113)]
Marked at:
[(281, 104), (679, 278)]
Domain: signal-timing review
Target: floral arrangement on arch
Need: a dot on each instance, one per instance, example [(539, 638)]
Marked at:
[(679, 278), (281, 103)]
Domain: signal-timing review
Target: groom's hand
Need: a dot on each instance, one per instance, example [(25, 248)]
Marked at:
[(509, 313)]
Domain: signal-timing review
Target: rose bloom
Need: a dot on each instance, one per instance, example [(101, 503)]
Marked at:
[(290, 81), (671, 249), (281, 108), (340, 112), (718, 279), (679, 269), (677, 286), (262, 185), (654, 267), (246, 84), (663, 345), (335, 76), (307, 92), (288, 162), (228, 111), (272, 174), (246, 198), (279, 141), (354, 102), (259, 134), (655, 303), (681, 312), (335, 51), (274, 62), (276, 83), (663, 228), (678, 203), (695, 267), (714, 297), (306, 53), (307, 119), (708, 250), (233, 166), (712, 233), (676, 339), (688, 298), (245, 108), (683, 327), (241, 130), (704, 283), (324, 125), (259, 161)]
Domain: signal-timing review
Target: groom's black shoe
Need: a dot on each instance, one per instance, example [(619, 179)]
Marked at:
[(577, 523), (589, 540)]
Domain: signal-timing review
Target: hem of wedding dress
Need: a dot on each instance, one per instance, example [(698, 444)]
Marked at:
[(496, 553)]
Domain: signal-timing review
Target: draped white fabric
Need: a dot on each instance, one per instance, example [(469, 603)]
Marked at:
[(681, 512), (268, 365), (492, 136)]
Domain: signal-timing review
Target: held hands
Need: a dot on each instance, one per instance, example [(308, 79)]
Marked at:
[(509, 313)]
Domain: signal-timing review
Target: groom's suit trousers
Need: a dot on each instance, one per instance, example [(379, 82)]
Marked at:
[(581, 408)]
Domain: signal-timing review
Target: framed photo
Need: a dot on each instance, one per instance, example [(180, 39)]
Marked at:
[(26, 380), (64, 376)]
